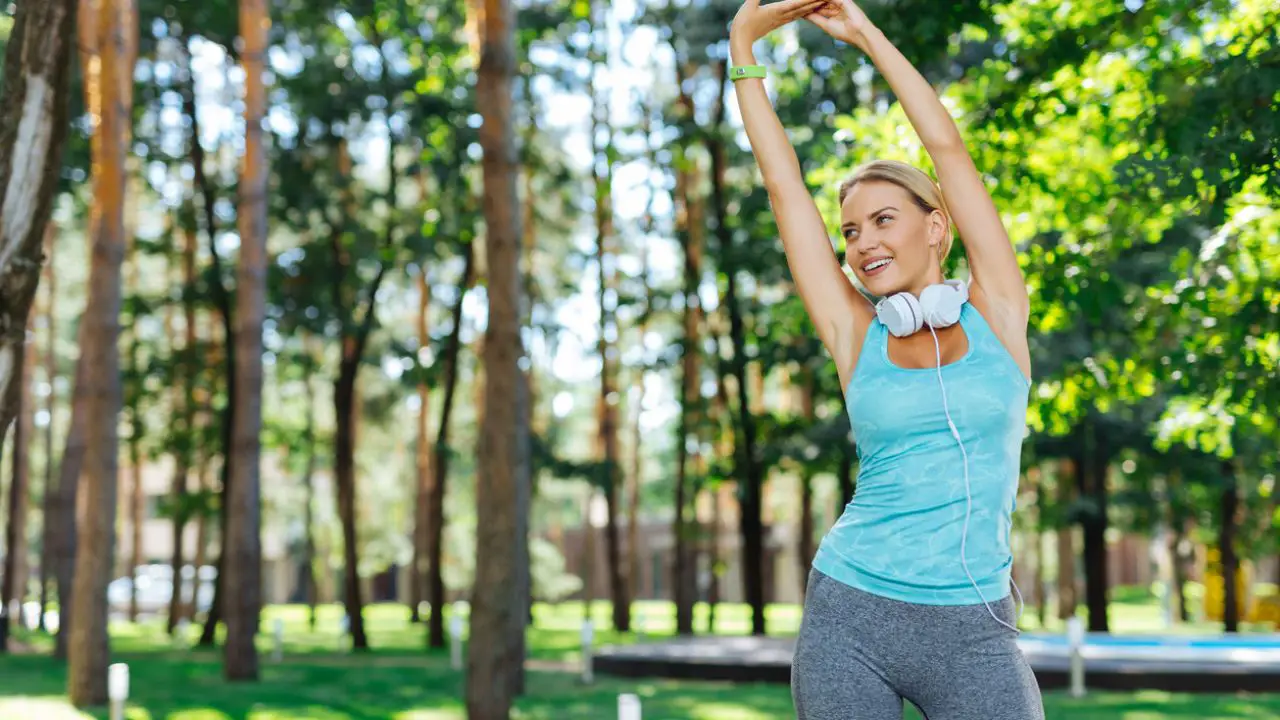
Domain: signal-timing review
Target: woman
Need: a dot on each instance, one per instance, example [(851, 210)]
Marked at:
[(909, 593)]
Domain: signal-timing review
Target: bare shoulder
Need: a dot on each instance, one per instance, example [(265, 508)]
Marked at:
[(1009, 326)]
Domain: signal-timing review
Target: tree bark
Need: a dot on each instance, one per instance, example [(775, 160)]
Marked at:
[(438, 479), (1068, 472), (15, 543), (1092, 467), (495, 665), (50, 374), (222, 299), (186, 412), (33, 129), (689, 233), (748, 471), (1229, 509), (243, 542), (108, 44), (422, 460)]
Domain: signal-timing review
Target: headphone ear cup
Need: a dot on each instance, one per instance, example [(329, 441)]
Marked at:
[(940, 304), (901, 314)]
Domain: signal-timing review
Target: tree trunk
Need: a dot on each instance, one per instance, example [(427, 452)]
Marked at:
[(689, 233), (108, 49), (1092, 466), (309, 488), (1068, 473), (806, 544), (1177, 534), (438, 479), (133, 398), (1036, 475), (62, 546), (495, 665), (243, 543), (222, 299), (33, 129), (1229, 509), (15, 542), (422, 461), (187, 423), (748, 471), (636, 475), (202, 537), (50, 375)]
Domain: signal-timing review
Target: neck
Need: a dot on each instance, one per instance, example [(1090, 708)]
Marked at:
[(933, 277)]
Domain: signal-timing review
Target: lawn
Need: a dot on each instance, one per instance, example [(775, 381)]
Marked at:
[(320, 680)]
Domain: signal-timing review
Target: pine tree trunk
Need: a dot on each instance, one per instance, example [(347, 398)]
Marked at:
[(806, 544), (495, 666), (243, 543), (133, 397), (309, 488), (748, 469), (15, 543), (33, 128), (440, 465), (50, 375), (1067, 597), (1228, 510), (108, 47), (186, 416), (689, 232), (222, 299), (1092, 466), (422, 462)]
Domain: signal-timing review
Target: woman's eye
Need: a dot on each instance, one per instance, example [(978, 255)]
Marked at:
[(882, 217)]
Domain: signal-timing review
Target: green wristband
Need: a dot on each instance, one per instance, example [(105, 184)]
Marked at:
[(747, 71)]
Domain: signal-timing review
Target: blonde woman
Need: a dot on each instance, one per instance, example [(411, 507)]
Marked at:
[(909, 597)]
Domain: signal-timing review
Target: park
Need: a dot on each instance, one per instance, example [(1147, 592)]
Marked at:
[(445, 359)]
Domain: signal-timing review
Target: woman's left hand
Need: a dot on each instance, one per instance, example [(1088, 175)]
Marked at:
[(842, 20)]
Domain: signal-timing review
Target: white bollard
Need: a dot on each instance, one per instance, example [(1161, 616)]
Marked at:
[(278, 631), (628, 707), (455, 635), (117, 689), (180, 633), (588, 630), (1075, 640)]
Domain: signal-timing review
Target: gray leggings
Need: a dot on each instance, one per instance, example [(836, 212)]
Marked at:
[(859, 655)]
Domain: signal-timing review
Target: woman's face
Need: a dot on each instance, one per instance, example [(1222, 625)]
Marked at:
[(892, 243)]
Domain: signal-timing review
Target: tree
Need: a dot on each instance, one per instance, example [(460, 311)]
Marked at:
[(33, 128), (495, 664), (108, 45), (15, 540), (243, 544)]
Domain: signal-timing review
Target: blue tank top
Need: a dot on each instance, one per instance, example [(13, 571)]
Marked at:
[(900, 535)]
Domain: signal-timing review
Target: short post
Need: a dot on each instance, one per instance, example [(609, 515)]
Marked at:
[(1075, 640), (455, 638), (180, 633), (278, 632), (117, 689), (587, 632), (629, 707)]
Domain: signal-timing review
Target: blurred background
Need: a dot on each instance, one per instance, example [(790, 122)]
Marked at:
[(688, 445)]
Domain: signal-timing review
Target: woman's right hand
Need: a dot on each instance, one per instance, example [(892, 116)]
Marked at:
[(754, 20)]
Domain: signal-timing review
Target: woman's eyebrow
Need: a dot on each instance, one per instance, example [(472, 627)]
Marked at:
[(869, 216)]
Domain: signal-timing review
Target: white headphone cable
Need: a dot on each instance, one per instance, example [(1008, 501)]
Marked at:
[(968, 495)]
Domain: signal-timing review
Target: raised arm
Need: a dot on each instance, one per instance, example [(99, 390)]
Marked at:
[(992, 261), (831, 300)]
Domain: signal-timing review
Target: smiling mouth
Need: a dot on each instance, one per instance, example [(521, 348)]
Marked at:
[(876, 267)]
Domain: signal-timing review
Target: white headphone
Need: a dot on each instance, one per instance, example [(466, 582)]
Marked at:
[(939, 306)]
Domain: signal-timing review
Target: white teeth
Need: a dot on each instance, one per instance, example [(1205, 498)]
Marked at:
[(877, 264)]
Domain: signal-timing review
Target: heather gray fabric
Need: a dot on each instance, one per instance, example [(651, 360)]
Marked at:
[(859, 655)]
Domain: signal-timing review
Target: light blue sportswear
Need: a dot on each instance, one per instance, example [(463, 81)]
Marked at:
[(900, 535)]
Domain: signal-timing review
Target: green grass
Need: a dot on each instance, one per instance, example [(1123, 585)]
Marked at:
[(398, 680)]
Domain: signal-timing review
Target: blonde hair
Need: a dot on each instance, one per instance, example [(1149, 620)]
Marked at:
[(926, 193)]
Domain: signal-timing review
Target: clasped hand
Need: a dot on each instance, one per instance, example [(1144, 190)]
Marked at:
[(841, 19)]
